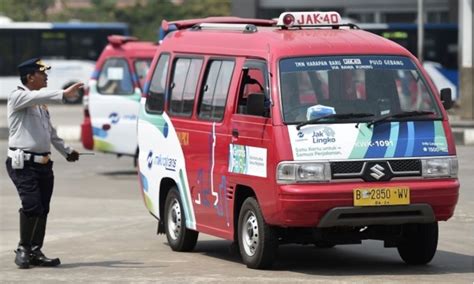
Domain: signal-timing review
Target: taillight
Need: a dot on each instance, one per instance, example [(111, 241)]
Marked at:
[(86, 91), (85, 102)]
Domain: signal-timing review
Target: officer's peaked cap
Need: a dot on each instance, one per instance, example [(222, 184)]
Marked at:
[(32, 65)]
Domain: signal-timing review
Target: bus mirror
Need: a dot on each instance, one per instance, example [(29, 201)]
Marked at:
[(446, 98)]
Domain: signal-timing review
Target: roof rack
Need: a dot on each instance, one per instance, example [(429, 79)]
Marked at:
[(184, 24), (246, 28)]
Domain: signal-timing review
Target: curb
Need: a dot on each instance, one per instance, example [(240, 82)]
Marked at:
[(3, 133), (70, 133), (463, 136)]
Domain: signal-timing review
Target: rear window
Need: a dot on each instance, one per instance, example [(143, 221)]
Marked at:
[(155, 101)]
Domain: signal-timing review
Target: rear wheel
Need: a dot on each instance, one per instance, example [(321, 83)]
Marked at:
[(419, 243), (179, 237), (257, 240)]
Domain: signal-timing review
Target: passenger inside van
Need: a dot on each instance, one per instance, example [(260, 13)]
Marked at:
[(293, 109)]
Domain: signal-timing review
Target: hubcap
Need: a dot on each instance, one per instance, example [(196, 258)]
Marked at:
[(174, 220), (249, 233)]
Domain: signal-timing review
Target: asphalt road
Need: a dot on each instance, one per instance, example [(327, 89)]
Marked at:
[(100, 229)]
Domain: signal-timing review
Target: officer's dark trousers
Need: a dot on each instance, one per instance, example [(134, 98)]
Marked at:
[(34, 184)]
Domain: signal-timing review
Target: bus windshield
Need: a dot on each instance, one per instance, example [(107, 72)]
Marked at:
[(356, 88)]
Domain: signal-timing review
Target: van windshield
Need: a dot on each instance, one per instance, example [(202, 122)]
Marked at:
[(353, 88)]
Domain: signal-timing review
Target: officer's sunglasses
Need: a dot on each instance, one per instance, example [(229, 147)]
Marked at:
[(45, 72)]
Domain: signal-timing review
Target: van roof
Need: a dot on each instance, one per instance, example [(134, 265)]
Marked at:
[(132, 49), (280, 42)]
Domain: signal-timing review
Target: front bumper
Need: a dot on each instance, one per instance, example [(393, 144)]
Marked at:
[(331, 204)]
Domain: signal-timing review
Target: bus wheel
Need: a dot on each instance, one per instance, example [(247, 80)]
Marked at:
[(78, 99), (257, 240), (179, 237), (419, 243)]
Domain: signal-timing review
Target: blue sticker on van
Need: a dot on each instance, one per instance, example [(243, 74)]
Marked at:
[(401, 139)]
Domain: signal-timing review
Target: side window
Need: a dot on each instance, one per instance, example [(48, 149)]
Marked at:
[(183, 86), (215, 90), (156, 95), (253, 94), (115, 78)]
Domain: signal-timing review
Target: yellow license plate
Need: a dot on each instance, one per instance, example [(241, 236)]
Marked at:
[(382, 196)]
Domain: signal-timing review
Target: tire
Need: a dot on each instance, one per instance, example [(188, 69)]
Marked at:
[(77, 100), (179, 237), (419, 243), (257, 241)]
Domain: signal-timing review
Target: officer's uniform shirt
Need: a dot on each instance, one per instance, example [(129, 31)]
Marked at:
[(29, 124)]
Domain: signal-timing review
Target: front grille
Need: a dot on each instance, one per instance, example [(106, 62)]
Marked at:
[(413, 165), (356, 169)]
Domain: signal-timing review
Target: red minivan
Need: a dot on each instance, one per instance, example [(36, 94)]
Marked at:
[(302, 130)]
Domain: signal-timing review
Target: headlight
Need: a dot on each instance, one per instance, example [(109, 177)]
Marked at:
[(303, 172), (440, 167)]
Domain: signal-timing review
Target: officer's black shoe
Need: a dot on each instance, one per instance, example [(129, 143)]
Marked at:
[(22, 258), (39, 259)]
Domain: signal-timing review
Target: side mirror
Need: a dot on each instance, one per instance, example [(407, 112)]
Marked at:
[(256, 104), (446, 98)]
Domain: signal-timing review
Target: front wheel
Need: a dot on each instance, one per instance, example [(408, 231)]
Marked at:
[(419, 243), (257, 240), (179, 237)]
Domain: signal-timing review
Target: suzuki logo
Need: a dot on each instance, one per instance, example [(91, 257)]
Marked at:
[(377, 171)]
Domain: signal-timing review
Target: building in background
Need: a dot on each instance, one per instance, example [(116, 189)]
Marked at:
[(365, 11), (466, 75), (395, 20)]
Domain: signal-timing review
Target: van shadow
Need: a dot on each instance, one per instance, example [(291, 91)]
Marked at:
[(119, 173), (107, 264), (348, 260)]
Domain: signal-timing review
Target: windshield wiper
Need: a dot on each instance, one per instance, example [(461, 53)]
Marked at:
[(399, 115), (334, 115)]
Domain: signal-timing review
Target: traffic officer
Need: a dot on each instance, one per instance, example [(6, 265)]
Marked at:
[(28, 164)]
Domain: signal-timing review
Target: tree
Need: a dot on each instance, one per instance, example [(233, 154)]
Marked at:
[(144, 18), (26, 10)]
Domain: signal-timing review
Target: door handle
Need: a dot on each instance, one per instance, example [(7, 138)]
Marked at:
[(235, 133)]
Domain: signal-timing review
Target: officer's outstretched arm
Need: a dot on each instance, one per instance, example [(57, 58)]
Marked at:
[(71, 91)]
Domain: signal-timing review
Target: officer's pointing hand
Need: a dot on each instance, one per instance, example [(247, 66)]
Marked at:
[(74, 156), (71, 91)]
